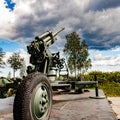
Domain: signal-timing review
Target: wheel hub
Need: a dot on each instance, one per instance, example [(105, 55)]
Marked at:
[(40, 102)]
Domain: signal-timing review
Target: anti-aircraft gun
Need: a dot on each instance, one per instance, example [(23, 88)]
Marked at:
[(33, 99)]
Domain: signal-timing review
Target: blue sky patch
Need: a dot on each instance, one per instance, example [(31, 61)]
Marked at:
[(9, 4), (11, 46)]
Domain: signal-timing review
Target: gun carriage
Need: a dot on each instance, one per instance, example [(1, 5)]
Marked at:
[(33, 99)]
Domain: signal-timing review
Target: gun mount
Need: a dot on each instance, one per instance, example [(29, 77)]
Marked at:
[(34, 95), (41, 57)]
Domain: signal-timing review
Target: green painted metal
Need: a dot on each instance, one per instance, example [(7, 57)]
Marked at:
[(85, 84), (40, 56), (40, 102)]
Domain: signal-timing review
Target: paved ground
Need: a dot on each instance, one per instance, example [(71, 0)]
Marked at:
[(6, 108), (69, 107), (81, 107), (115, 104)]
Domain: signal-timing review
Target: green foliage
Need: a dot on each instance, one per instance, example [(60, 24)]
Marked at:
[(71, 50), (108, 81), (76, 51), (23, 70), (107, 77), (8, 87), (111, 89), (16, 62)]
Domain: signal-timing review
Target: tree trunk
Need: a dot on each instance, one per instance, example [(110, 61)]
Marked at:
[(13, 73), (75, 70)]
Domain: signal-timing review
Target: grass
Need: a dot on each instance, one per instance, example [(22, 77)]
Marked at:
[(111, 89)]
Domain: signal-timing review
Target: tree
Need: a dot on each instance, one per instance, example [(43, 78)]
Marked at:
[(83, 62), (16, 62), (23, 70), (76, 51), (1, 58)]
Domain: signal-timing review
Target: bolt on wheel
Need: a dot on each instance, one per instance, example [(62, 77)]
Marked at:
[(40, 102)]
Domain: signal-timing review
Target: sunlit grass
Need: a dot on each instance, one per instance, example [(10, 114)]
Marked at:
[(111, 89)]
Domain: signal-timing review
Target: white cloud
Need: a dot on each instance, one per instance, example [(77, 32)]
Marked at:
[(7, 55), (25, 55), (96, 21), (108, 60), (7, 20), (30, 18)]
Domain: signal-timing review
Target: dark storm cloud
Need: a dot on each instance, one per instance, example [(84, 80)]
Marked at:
[(32, 27), (99, 5), (96, 21), (42, 20), (101, 28), (92, 41), (96, 40)]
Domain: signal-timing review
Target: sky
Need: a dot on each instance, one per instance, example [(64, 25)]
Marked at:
[(96, 21)]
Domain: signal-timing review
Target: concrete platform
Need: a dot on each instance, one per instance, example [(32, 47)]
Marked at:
[(81, 107), (69, 107)]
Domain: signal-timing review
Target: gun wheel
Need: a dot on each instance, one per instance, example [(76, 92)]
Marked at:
[(33, 100)]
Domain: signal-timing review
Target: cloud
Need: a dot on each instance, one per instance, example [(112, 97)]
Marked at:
[(106, 58), (95, 21), (6, 56), (25, 55), (99, 5), (101, 29)]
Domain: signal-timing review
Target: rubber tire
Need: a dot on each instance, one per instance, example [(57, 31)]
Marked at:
[(21, 107)]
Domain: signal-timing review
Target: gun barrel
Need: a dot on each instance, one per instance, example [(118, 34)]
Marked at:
[(58, 32), (51, 38), (44, 35), (48, 37)]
